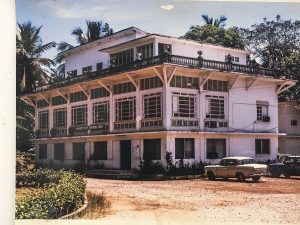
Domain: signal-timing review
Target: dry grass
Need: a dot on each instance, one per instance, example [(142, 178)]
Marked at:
[(25, 191), (98, 206)]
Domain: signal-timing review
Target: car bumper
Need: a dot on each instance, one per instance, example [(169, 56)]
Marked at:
[(259, 174)]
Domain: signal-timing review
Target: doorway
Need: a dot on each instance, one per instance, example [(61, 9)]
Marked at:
[(125, 156)]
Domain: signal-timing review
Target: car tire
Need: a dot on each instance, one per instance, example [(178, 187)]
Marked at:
[(255, 179), (287, 175), (275, 174), (210, 175), (240, 177)]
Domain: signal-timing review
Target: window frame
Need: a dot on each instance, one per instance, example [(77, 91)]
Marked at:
[(44, 154), (64, 119), (178, 110), (214, 144), (261, 145), (101, 157), (85, 116), (153, 153), (215, 113), (87, 69), (76, 154), (259, 111), (184, 151), (95, 113), (147, 112), (41, 120), (119, 113), (59, 154)]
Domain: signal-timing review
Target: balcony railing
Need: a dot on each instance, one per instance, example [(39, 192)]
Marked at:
[(172, 59)]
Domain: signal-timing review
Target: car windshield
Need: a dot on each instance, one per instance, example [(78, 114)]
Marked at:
[(248, 161)]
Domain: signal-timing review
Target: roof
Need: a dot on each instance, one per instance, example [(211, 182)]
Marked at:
[(89, 44)]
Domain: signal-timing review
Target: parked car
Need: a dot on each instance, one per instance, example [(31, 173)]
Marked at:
[(289, 167), (237, 167)]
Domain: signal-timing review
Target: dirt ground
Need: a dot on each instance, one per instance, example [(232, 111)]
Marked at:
[(273, 201)]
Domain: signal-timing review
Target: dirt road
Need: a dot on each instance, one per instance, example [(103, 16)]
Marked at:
[(270, 201)]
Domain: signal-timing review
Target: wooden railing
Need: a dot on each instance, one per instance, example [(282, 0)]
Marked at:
[(172, 59)]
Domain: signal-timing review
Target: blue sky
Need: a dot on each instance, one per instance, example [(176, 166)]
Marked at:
[(172, 17)]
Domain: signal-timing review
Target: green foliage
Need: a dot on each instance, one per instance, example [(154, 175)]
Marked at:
[(63, 194), (23, 160), (219, 22), (148, 167), (215, 35)]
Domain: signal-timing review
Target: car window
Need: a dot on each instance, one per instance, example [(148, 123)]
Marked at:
[(248, 161), (224, 162), (289, 160), (233, 162)]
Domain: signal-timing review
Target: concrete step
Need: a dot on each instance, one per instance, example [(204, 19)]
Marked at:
[(112, 174)]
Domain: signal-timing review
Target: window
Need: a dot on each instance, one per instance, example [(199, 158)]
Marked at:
[(43, 119), (60, 118), (100, 150), (78, 151), (79, 115), (100, 112), (59, 151), (184, 82), (123, 88), (43, 151), (145, 50), (151, 82), (121, 58), (184, 105), (236, 59), (215, 148), (184, 148), (99, 66), (86, 69), (215, 107), (77, 96), (294, 122), (152, 149), (216, 85), (72, 73), (125, 109), (261, 110), (58, 100), (262, 146), (42, 103), (164, 48), (99, 93), (152, 105)]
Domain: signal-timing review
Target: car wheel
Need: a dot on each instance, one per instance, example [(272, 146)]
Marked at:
[(275, 174), (255, 179), (286, 175), (240, 177), (210, 175)]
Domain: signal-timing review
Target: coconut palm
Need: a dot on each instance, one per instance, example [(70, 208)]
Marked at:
[(220, 22), (31, 65)]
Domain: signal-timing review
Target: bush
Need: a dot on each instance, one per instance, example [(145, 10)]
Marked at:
[(23, 160), (148, 167), (63, 192)]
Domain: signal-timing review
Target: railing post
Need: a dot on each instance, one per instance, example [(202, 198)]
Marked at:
[(200, 59)]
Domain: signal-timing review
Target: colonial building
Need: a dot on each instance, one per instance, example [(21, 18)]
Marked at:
[(134, 95), (289, 123)]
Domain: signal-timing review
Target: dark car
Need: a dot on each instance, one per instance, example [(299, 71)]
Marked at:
[(289, 167)]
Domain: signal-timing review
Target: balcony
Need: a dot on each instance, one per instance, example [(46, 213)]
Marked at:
[(156, 60)]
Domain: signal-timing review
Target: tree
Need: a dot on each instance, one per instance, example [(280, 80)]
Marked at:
[(31, 66), (220, 22), (276, 45), (215, 35)]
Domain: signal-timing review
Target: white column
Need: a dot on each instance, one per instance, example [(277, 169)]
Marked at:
[(167, 107), (50, 113), (89, 110), (69, 114), (138, 107), (111, 112)]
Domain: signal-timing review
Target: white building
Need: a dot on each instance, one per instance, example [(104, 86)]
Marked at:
[(134, 95), (289, 123)]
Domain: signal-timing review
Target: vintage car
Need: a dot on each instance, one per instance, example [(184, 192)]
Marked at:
[(289, 167), (237, 167)]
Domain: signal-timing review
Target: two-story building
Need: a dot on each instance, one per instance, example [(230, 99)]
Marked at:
[(134, 95)]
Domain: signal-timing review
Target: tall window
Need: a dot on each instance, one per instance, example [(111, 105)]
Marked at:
[(216, 85), (60, 118), (164, 48), (78, 151), (79, 115), (100, 150), (125, 109), (215, 148), (215, 107), (99, 66), (123, 88), (42, 151), (152, 149), (58, 100), (262, 146), (184, 82), (99, 93), (184, 105), (86, 69), (77, 96), (261, 110), (152, 105), (59, 151), (184, 148), (100, 112), (42, 103), (43, 119), (150, 82), (145, 50), (121, 58)]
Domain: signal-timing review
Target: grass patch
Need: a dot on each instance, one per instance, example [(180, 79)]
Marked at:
[(23, 192), (98, 207)]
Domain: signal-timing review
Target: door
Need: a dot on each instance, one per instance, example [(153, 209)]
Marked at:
[(221, 170), (125, 156)]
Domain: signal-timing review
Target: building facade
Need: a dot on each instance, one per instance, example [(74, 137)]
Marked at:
[(133, 96), (289, 123)]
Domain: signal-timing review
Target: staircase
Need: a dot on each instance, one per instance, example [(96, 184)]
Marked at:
[(113, 174)]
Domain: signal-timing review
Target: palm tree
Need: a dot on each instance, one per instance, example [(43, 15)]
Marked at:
[(220, 22), (95, 30), (31, 66)]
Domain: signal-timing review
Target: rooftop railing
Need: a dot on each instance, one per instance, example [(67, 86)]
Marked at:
[(190, 62)]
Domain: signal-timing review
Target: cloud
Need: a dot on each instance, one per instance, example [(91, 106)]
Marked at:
[(167, 7)]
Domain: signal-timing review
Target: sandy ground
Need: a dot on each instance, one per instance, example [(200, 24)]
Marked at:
[(199, 201)]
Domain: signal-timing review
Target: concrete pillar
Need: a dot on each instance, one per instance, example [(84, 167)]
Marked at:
[(139, 108), (111, 112)]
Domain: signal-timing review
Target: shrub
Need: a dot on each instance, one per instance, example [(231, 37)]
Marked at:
[(23, 160), (148, 167), (63, 192)]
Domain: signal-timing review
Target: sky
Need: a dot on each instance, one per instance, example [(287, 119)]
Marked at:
[(169, 17)]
